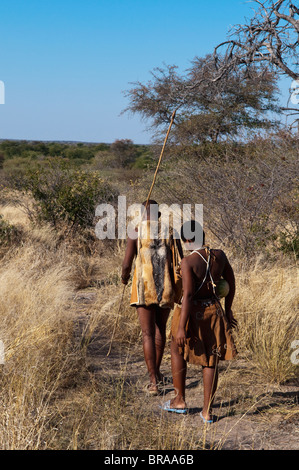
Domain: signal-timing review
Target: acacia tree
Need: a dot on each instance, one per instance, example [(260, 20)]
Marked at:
[(212, 106)]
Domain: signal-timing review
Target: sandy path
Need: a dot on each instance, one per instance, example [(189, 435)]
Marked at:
[(258, 418)]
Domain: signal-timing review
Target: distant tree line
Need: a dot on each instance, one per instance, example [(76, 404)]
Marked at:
[(121, 153), (24, 148)]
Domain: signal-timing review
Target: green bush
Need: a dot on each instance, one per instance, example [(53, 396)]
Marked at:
[(8, 233), (65, 194), (289, 243)]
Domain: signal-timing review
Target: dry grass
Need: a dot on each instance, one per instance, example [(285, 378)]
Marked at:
[(51, 397), (37, 330), (266, 305), (37, 333)]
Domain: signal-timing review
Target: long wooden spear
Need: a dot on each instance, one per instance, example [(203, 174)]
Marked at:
[(146, 204)]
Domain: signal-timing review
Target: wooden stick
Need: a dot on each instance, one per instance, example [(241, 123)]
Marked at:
[(160, 158), (146, 204)]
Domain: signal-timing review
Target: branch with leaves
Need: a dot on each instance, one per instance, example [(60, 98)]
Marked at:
[(211, 106)]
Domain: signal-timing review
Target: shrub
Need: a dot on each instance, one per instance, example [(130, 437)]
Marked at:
[(8, 232), (66, 194), (249, 196), (289, 243)]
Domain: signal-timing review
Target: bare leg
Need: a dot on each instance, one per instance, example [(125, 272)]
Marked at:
[(162, 315), (179, 368), (210, 380), (153, 325), (147, 322)]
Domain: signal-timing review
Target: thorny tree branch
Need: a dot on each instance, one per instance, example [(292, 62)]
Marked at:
[(271, 37)]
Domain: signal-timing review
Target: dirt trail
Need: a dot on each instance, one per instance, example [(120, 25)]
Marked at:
[(248, 417)]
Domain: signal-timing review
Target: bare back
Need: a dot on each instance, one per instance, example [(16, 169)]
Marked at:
[(219, 267)]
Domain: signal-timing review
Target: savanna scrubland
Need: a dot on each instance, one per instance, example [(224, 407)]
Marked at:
[(60, 293)]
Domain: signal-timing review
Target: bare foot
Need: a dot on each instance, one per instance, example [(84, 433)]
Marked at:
[(178, 402), (152, 389), (207, 415)]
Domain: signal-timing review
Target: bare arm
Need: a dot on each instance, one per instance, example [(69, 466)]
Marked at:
[(131, 251), (228, 275), (188, 292)]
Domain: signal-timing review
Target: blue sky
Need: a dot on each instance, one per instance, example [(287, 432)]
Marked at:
[(65, 64)]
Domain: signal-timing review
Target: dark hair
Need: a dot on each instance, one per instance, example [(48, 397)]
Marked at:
[(151, 202), (192, 231)]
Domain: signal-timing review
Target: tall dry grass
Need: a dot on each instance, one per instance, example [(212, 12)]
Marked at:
[(40, 353), (266, 306), (50, 399)]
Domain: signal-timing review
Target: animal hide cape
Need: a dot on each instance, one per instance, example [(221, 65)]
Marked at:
[(154, 280)]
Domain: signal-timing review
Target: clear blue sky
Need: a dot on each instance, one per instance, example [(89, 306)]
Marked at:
[(66, 63)]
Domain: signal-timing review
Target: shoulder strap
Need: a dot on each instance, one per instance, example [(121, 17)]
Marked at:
[(199, 255), (207, 271)]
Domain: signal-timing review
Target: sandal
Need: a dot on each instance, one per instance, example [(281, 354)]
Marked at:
[(166, 407), (209, 421)]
